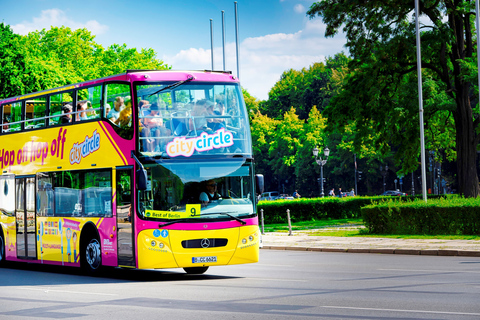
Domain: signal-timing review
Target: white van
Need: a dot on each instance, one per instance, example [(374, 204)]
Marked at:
[(271, 195)]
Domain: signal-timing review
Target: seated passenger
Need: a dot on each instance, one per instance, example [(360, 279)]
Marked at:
[(153, 128), (199, 114), (91, 114), (216, 123), (81, 107), (117, 107), (125, 117), (5, 126), (107, 109), (66, 114)]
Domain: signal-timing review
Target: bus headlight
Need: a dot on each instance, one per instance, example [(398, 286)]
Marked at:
[(161, 245), (250, 238), (153, 243), (244, 240)]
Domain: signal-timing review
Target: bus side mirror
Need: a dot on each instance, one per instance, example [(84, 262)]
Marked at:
[(141, 179), (259, 183)]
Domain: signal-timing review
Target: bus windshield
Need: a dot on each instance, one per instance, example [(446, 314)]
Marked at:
[(200, 189), (188, 118)]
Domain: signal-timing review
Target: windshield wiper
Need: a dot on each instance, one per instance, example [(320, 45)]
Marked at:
[(173, 222), (201, 215), (227, 214), (173, 85)]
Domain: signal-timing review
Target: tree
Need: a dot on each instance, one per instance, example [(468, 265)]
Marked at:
[(12, 62), (314, 136), (303, 89), (263, 134), (60, 56), (381, 40)]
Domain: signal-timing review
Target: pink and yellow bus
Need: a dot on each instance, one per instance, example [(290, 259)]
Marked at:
[(146, 169)]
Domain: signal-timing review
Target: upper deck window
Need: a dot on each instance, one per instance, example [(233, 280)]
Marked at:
[(192, 119), (12, 117), (88, 104), (61, 108), (35, 113)]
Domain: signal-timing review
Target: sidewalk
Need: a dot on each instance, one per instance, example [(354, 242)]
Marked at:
[(301, 240)]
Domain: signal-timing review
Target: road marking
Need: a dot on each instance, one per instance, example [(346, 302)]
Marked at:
[(285, 280), (429, 271), (46, 290), (274, 265), (410, 311)]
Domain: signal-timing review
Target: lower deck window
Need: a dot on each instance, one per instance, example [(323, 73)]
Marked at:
[(85, 193)]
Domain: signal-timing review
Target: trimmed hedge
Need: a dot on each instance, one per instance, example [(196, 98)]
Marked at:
[(451, 216), (314, 209)]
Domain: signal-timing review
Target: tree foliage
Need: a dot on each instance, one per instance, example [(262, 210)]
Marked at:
[(380, 96), (60, 56), (303, 89), (12, 62)]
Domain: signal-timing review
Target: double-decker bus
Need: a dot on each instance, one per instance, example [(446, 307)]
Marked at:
[(146, 169)]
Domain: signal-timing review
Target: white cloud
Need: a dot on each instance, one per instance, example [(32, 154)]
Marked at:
[(264, 59), (57, 18), (299, 8)]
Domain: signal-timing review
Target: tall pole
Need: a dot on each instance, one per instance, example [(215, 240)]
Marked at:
[(236, 38), (413, 184), (420, 104), (477, 18), (322, 194), (223, 37), (355, 160), (211, 41)]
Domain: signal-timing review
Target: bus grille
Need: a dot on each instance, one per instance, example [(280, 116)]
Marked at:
[(204, 243)]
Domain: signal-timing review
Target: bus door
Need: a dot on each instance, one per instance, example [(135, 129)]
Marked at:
[(125, 217), (25, 217)]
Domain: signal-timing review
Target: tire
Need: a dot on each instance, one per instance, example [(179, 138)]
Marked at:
[(91, 257), (196, 270), (2, 249)]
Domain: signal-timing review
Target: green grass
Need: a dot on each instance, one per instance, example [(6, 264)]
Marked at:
[(314, 224), (337, 228)]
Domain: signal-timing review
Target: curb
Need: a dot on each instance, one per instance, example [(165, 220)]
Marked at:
[(426, 252)]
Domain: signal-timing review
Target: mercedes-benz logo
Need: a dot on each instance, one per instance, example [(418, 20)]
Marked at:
[(205, 243)]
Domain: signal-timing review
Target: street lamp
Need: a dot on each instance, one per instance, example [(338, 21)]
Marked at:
[(384, 174), (321, 163)]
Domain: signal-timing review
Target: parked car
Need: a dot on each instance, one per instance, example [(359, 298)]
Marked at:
[(271, 195), (285, 197), (393, 193)]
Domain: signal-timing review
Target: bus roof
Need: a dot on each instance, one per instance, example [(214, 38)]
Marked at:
[(138, 75)]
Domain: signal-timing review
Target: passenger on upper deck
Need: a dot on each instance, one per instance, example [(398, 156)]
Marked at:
[(107, 109), (91, 114), (115, 112), (67, 114), (81, 108), (216, 123), (125, 117), (200, 114), (153, 128), (5, 125)]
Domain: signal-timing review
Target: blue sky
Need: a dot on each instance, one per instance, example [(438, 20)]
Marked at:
[(274, 35)]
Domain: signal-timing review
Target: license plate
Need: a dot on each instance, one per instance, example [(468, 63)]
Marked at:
[(204, 259)]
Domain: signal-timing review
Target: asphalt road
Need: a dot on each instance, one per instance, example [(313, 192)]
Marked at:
[(283, 285)]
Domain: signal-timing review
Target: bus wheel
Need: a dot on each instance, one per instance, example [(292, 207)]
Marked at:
[(2, 249), (92, 257), (195, 270)]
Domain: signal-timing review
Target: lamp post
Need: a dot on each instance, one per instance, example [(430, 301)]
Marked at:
[(384, 174), (321, 163)]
